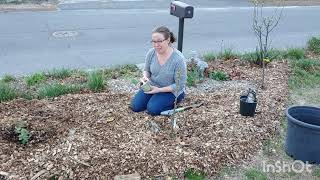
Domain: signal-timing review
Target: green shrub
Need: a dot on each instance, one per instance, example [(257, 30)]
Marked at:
[(60, 73), (295, 53), (56, 89), (253, 174), (7, 93), (228, 54), (8, 78), (210, 56), (35, 78), (314, 45), (218, 75), (95, 81), (192, 174)]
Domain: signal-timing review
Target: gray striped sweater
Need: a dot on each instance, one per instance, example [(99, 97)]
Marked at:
[(167, 74)]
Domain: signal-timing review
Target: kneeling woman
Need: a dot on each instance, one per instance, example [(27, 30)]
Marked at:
[(165, 70)]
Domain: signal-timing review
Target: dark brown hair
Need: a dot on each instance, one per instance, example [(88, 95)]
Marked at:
[(165, 32)]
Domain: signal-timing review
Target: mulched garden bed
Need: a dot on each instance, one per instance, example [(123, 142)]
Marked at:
[(97, 136)]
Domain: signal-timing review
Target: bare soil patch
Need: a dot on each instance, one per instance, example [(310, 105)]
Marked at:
[(97, 136)]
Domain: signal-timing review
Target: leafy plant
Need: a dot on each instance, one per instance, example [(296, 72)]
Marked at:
[(95, 81), (314, 45), (218, 75), (134, 81), (35, 79), (192, 76), (56, 89), (192, 174), (22, 132), (254, 174), (8, 78), (7, 93), (210, 56)]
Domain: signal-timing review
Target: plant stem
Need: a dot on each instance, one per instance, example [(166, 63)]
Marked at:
[(173, 120)]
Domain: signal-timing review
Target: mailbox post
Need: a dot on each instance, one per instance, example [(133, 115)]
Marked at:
[(181, 10)]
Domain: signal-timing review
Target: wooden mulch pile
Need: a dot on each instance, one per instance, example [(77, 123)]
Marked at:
[(97, 136)]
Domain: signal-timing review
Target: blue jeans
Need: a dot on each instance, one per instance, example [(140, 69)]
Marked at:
[(154, 103)]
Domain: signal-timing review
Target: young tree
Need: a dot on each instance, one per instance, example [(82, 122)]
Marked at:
[(262, 26)]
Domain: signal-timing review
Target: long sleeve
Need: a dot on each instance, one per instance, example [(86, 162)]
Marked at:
[(148, 59)]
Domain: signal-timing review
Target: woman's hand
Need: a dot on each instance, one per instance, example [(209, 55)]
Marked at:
[(154, 90), (145, 79)]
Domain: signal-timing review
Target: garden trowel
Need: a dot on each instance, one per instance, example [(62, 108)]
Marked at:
[(171, 111)]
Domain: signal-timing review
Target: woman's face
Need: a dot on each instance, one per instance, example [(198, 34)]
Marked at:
[(159, 42)]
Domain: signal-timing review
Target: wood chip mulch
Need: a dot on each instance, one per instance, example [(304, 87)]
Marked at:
[(97, 136)]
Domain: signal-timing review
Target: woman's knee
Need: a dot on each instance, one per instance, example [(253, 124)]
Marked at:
[(153, 109), (137, 106), (139, 102)]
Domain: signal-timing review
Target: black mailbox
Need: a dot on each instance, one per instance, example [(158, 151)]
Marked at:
[(181, 9)]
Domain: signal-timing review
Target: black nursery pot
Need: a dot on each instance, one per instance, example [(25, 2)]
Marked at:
[(247, 109)]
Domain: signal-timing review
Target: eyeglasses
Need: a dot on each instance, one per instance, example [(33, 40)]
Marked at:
[(157, 41)]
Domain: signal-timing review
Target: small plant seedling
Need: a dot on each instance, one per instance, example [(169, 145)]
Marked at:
[(23, 133), (146, 87), (134, 81)]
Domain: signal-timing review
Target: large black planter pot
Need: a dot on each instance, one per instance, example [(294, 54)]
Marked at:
[(303, 133), (247, 109)]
